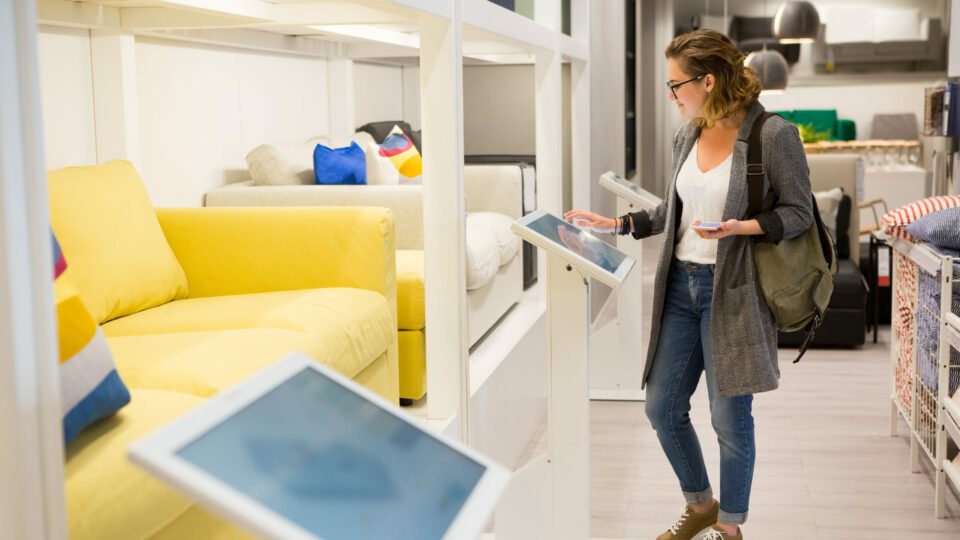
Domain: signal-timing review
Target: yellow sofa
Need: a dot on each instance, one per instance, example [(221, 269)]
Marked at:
[(192, 301)]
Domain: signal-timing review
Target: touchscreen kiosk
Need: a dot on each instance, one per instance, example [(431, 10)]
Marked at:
[(576, 246), (550, 496), (629, 191), (299, 451)]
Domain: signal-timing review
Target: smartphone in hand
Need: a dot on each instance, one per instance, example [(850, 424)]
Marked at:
[(707, 226)]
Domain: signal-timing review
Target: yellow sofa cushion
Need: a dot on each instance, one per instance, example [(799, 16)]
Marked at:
[(204, 363), (120, 260), (107, 496), (344, 328), (410, 299)]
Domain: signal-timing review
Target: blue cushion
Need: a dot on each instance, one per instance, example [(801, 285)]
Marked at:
[(347, 165), (941, 229)]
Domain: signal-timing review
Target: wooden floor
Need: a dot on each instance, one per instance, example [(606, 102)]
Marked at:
[(826, 465)]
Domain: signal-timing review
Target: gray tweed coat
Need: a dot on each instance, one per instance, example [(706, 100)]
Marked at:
[(743, 333)]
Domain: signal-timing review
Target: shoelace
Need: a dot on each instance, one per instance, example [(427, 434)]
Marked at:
[(675, 528), (714, 534)]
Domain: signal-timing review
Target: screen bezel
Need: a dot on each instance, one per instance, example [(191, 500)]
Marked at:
[(626, 190), (157, 453), (521, 228)]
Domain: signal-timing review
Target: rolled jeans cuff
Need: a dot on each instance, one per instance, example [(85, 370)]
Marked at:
[(698, 496), (728, 518)]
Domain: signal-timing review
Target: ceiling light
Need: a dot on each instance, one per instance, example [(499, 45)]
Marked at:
[(796, 22), (771, 69)]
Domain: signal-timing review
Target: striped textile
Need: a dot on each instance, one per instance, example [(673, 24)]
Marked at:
[(895, 221), (90, 387)]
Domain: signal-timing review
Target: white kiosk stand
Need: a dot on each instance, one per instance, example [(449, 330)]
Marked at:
[(550, 496), (616, 369)]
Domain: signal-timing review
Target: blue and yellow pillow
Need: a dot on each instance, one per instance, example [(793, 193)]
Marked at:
[(402, 153), (90, 387)]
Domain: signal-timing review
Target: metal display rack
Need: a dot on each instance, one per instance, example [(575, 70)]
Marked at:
[(925, 335)]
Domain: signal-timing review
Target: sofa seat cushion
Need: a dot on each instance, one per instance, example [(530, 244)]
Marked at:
[(107, 496), (351, 327), (410, 291), (204, 363), (849, 290)]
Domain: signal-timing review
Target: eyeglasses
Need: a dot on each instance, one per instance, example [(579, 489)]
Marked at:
[(673, 86)]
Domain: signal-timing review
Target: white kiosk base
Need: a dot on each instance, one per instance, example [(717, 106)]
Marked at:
[(550, 496)]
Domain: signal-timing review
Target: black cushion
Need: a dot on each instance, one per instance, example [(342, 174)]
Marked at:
[(843, 228), (849, 288), (380, 130)]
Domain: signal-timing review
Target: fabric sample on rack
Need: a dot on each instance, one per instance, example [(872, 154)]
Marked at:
[(896, 220), (928, 333), (942, 229), (905, 293)]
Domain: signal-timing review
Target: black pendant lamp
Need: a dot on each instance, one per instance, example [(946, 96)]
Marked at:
[(772, 69), (796, 22)]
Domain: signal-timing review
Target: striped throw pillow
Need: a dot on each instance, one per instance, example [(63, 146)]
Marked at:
[(895, 221), (90, 387)]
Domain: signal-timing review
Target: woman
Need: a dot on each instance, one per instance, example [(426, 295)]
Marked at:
[(708, 311)]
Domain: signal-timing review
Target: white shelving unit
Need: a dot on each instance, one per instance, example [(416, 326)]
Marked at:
[(929, 412), (439, 35)]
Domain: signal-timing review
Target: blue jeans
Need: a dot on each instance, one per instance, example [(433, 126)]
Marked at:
[(683, 353)]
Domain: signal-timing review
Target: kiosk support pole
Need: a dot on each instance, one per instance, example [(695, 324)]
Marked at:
[(550, 496)]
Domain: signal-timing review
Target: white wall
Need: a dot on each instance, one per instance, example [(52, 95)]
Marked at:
[(858, 102), (498, 110), (66, 92), (202, 108), (378, 93)]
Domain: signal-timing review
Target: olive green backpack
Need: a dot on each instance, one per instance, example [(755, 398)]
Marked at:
[(796, 275)]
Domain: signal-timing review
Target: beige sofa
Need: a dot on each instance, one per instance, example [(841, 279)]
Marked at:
[(488, 188)]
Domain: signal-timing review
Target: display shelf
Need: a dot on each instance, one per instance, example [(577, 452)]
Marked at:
[(933, 413), (491, 33), (953, 415), (925, 257), (952, 472)]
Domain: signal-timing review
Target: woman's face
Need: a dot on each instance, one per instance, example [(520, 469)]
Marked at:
[(691, 96)]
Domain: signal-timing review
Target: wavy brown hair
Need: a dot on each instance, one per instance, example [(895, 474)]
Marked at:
[(703, 52)]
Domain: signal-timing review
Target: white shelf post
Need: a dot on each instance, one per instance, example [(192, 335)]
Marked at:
[(31, 455), (441, 98), (116, 117)]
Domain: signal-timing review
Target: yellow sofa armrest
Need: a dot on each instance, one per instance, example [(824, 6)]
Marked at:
[(227, 251)]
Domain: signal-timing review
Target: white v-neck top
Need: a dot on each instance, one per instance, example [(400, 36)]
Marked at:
[(703, 195)]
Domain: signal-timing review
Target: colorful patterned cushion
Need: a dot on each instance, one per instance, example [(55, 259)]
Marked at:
[(401, 151), (941, 229), (895, 221), (90, 388)]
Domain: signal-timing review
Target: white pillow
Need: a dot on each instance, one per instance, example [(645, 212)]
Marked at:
[(380, 171), (281, 165), (828, 202), (499, 225), (483, 256)]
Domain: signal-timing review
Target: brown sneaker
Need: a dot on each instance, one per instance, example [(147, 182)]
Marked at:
[(691, 523), (716, 534)]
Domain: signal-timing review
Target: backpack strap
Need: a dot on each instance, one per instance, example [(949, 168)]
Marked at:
[(755, 171)]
